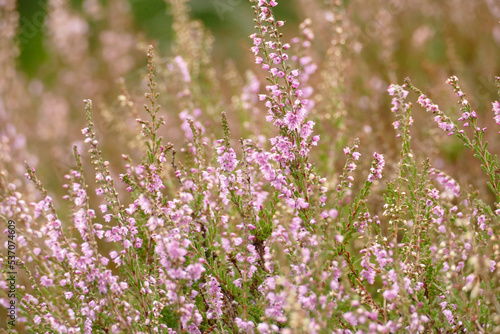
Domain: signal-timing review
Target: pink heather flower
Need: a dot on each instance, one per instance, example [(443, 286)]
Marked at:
[(290, 202), (143, 203), (175, 251), (127, 244), (306, 255), (333, 213), (263, 327), (138, 243), (377, 167), (154, 222), (186, 197), (450, 184), (113, 254), (496, 107), (433, 193), (118, 261), (427, 104), (391, 293), (382, 256), (306, 130), (68, 295), (139, 170), (369, 273), (46, 282), (88, 326), (245, 326), (449, 316), (195, 271), (350, 318), (282, 149), (469, 279), (183, 68), (492, 265), (481, 221), (131, 209), (270, 88), (227, 160), (301, 203), (496, 110), (214, 299), (465, 116), (444, 125), (162, 158), (399, 96)]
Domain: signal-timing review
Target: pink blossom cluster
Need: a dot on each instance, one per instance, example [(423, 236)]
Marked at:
[(377, 167), (442, 122), (446, 181), (286, 103), (250, 238), (496, 110)]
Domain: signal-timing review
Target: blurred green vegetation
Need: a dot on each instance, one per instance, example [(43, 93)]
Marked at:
[(32, 16), (230, 21)]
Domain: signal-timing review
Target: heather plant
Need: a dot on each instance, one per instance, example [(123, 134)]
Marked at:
[(256, 234)]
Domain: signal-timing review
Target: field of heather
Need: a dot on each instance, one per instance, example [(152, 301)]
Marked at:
[(262, 166)]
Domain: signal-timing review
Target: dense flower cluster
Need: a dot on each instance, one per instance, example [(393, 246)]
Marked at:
[(377, 167), (206, 236), (496, 110), (447, 182), (442, 122)]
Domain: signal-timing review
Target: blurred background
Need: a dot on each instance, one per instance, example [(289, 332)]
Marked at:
[(55, 53)]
